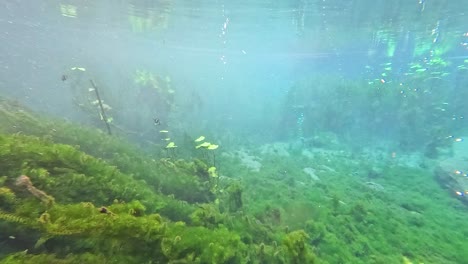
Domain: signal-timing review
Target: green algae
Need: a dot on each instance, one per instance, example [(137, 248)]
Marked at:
[(116, 204)]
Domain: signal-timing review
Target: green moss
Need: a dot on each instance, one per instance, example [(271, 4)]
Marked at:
[(123, 220), (68, 174), (78, 258), (183, 183), (297, 249), (202, 245), (207, 215), (121, 205), (234, 192), (7, 197)]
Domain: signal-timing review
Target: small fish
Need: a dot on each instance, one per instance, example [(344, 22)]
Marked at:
[(156, 121), (64, 77)]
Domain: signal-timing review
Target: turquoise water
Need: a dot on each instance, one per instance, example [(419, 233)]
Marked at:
[(343, 119)]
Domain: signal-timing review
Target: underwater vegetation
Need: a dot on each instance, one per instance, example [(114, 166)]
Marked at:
[(71, 194), (99, 106), (182, 153), (421, 113), (63, 205)]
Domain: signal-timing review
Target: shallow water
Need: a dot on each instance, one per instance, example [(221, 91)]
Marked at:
[(345, 119)]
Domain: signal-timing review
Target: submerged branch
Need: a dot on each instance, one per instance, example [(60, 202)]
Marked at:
[(103, 113)]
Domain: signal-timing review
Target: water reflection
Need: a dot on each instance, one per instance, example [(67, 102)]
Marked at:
[(221, 40)]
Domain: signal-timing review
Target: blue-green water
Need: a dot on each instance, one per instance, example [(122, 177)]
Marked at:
[(277, 131)]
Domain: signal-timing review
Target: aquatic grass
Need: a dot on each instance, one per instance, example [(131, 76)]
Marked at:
[(116, 151), (345, 219), (362, 225)]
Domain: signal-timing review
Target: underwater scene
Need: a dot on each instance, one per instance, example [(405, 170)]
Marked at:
[(247, 131)]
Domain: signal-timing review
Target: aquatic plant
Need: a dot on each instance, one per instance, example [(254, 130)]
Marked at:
[(101, 107), (295, 244), (417, 112), (121, 205), (234, 199), (115, 151), (88, 100), (159, 89), (208, 147), (69, 176), (76, 181), (170, 149)]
